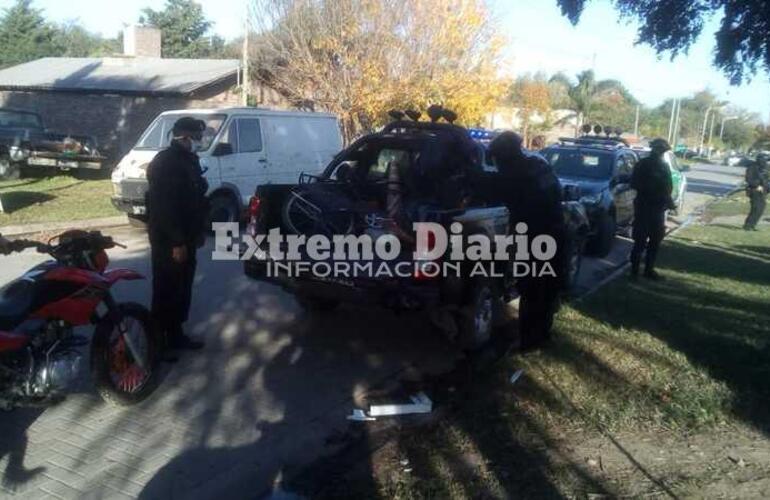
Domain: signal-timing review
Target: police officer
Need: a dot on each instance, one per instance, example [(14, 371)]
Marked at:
[(651, 178), (531, 191), (176, 206), (757, 184)]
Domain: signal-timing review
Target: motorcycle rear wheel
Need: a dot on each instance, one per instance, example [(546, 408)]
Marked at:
[(118, 378)]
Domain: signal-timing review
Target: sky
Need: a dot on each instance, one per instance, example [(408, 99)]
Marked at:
[(539, 39)]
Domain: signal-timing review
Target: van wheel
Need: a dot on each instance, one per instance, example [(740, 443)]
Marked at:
[(601, 244), (476, 319), (223, 208)]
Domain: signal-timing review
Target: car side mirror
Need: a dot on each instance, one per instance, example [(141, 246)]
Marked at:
[(222, 149)]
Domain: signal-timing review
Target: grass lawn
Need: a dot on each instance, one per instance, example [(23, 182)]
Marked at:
[(642, 372), (54, 199)]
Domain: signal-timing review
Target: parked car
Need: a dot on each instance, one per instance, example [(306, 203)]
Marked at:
[(25, 142), (732, 160), (348, 199), (242, 148), (600, 169)]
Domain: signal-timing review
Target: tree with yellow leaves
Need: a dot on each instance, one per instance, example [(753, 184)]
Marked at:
[(360, 58), (531, 96)]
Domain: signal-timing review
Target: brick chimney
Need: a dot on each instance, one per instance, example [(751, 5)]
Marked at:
[(141, 41)]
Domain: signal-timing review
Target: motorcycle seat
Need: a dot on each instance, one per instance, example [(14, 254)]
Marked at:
[(15, 302)]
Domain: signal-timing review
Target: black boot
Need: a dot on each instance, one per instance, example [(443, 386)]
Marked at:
[(177, 339)]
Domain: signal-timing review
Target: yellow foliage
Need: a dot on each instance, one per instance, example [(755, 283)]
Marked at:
[(361, 58)]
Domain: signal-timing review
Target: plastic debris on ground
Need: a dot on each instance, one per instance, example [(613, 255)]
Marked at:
[(420, 403), (516, 375)]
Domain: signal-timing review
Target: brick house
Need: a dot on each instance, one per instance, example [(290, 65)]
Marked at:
[(115, 98)]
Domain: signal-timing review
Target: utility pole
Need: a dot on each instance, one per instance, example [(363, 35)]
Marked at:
[(703, 131), (245, 80), (722, 128), (711, 133), (636, 122), (675, 132), (671, 120)]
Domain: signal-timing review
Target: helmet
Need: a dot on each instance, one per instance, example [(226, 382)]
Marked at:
[(188, 126), (660, 146)]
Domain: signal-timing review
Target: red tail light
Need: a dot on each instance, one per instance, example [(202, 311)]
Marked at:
[(255, 204), (431, 241)]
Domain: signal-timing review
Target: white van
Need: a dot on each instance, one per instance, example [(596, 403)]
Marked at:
[(241, 149)]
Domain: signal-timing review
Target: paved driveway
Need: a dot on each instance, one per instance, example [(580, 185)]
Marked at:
[(266, 395)]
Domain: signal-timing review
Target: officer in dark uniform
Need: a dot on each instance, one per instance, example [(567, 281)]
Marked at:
[(530, 190), (651, 178), (176, 206), (757, 184)]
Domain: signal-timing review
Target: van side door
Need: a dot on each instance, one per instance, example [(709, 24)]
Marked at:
[(252, 156)]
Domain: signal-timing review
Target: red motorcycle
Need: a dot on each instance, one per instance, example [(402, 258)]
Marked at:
[(40, 353)]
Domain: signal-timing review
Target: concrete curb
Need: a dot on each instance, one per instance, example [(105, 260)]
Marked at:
[(22, 229)]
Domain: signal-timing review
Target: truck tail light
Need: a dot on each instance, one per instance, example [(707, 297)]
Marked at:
[(255, 204), (252, 214)]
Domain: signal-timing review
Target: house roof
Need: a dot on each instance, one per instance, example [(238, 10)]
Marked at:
[(119, 75)]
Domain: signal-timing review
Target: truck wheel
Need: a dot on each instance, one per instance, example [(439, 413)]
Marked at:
[(8, 171), (476, 319), (223, 208), (574, 263), (601, 244), (316, 304)]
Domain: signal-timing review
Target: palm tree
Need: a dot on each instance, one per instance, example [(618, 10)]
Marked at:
[(581, 97)]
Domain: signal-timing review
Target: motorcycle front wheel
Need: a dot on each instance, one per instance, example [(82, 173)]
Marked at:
[(125, 355)]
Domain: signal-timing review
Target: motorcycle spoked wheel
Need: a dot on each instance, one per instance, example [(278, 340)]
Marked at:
[(118, 377)]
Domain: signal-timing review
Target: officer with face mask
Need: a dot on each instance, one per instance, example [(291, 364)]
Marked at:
[(177, 207), (651, 178), (757, 184)]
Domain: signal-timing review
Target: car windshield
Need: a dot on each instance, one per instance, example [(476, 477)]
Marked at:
[(578, 163), (16, 119), (158, 134)]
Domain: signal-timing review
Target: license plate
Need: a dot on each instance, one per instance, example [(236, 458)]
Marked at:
[(68, 164), (138, 210)]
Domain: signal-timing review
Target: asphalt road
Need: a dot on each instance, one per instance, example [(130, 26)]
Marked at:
[(272, 386)]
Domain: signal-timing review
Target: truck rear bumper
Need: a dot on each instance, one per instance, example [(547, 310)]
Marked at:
[(400, 294), (63, 163)]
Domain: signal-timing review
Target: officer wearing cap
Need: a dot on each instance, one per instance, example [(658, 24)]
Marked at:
[(176, 206), (651, 178), (757, 184), (528, 187)]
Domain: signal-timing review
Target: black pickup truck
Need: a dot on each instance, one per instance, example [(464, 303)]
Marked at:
[(353, 197), (25, 142)]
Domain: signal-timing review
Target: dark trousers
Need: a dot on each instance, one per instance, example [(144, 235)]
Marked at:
[(648, 231), (538, 303), (758, 202), (171, 287)]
